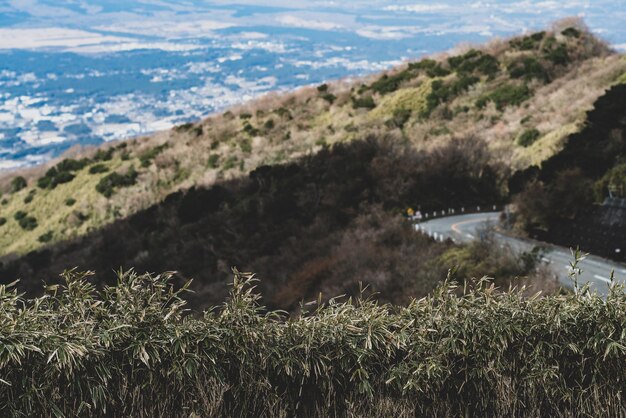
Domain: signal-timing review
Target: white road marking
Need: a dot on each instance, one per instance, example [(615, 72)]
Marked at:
[(556, 255), (597, 263), (604, 279)]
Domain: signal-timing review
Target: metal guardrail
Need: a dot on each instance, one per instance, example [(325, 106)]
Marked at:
[(434, 235), (588, 232), (419, 216)]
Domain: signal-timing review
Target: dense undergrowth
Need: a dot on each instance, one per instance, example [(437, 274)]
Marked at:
[(132, 350), (565, 191), (589, 167)]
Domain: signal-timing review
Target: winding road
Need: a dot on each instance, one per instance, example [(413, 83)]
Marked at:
[(465, 228)]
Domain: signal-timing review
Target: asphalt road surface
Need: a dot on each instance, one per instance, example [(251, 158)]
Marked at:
[(465, 228)]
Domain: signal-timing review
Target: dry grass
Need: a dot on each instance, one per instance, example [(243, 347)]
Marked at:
[(54, 215)]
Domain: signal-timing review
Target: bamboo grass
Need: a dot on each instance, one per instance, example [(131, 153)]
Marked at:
[(131, 350)]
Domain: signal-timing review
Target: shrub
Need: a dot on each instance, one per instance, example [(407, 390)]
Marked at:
[(541, 205), (458, 61), (527, 43), (249, 129), (571, 32), (2, 220), (70, 201), (322, 88), (184, 127), (20, 214), (329, 97), (191, 127), (488, 65), (72, 165), (107, 184), (27, 223), (399, 119), (528, 68), (431, 67), (53, 178), (244, 116), (366, 102), (98, 168), (63, 172), (269, 124), (230, 162), (460, 109), (528, 137), (63, 177), (538, 36), (47, 237), (283, 113), (558, 54), (18, 183), (197, 130), (246, 146), (30, 196), (103, 155), (485, 257), (147, 156), (442, 92), (475, 61), (388, 84), (77, 218), (505, 95), (463, 83), (213, 161), (614, 180)]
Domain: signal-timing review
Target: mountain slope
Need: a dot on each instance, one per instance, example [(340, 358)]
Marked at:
[(522, 97), (559, 201), (321, 223)]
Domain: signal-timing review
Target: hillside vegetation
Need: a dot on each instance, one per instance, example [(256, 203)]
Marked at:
[(130, 350), (522, 97), (590, 167), (321, 223)]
